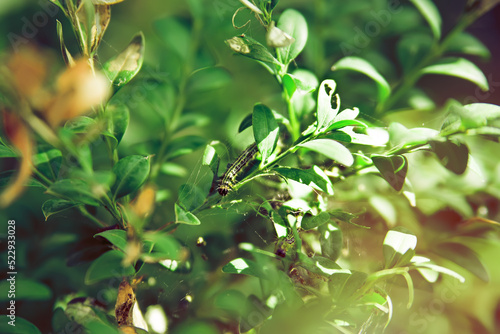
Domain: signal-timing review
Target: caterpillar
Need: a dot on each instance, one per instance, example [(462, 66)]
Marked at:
[(227, 180)]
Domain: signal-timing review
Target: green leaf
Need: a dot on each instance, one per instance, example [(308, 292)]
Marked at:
[(362, 66), (439, 269), (96, 326), (467, 44), (108, 265), (343, 216), (191, 196), (294, 83), (120, 116), (460, 68), (309, 221), (184, 145), (211, 159), (75, 190), (131, 172), (68, 58), (250, 48), (393, 169), (124, 66), (346, 122), (332, 149), (294, 24), (184, 217), (7, 152), (26, 289), (22, 326), (313, 177), (165, 246), (482, 114), (328, 104), (412, 49), (344, 283), (401, 136), (431, 14), (265, 130), (245, 123), (399, 247), (192, 119), (452, 155), (53, 206), (244, 267), (48, 161), (117, 238), (175, 34), (463, 256), (331, 240), (195, 327), (233, 301), (207, 80)]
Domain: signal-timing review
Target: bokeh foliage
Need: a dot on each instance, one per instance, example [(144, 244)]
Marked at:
[(369, 202)]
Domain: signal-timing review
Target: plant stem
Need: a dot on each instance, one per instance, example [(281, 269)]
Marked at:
[(87, 214)]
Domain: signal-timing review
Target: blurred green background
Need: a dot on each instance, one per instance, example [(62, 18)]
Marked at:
[(44, 245)]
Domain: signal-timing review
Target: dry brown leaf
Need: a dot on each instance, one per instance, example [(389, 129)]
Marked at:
[(20, 137), (78, 90), (28, 69), (125, 304), (102, 18), (128, 330), (143, 204)]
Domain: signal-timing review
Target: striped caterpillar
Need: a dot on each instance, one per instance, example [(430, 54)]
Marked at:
[(227, 181)]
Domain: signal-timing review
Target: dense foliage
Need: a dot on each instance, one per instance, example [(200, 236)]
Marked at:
[(256, 166)]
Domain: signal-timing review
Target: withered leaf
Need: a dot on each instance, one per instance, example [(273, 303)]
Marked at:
[(125, 304)]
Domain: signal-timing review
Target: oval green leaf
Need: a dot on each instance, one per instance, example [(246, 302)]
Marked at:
[(120, 117), (48, 161), (245, 267), (117, 238), (460, 68), (362, 66), (53, 206), (26, 289), (294, 24), (431, 14), (22, 326), (75, 190), (464, 257), (453, 156), (123, 67), (313, 177), (332, 149), (328, 104), (399, 247), (108, 265), (393, 169), (467, 44), (309, 221), (265, 130), (131, 172)]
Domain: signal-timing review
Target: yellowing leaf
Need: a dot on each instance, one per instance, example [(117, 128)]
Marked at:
[(125, 304), (102, 17), (20, 137), (144, 202), (78, 90), (28, 69), (106, 2)]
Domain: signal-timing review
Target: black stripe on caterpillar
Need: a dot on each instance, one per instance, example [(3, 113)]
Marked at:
[(227, 181)]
